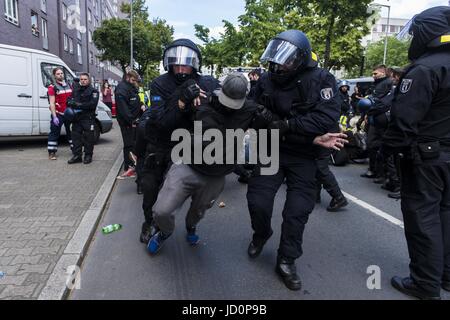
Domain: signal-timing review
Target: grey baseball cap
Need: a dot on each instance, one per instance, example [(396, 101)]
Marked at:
[(234, 91)]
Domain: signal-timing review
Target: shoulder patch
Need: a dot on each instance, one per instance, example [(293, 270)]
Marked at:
[(95, 95), (405, 85), (326, 93)]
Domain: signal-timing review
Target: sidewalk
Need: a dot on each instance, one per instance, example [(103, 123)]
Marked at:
[(42, 204)]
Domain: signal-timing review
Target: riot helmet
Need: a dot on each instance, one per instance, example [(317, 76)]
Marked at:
[(287, 53), (344, 83), (182, 52), (429, 29)]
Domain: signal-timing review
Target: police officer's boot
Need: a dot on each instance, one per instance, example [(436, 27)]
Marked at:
[(87, 159), (75, 159), (337, 203), (255, 247), (288, 273), (409, 287)]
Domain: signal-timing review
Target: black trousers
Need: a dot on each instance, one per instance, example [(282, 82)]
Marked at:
[(154, 169), (326, 178), (300, 174), (128, 138), (83, 135), (139, 150), (425, 191), (374, 141)]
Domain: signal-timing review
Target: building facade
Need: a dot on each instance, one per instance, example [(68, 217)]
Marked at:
[(378, 30), (64, 28)]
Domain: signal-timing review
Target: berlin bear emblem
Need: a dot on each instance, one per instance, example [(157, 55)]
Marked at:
[(405, 85), (326, 93)]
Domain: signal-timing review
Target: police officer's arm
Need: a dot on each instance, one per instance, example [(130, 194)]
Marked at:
[(123, 109), (412, 101), (324, 116), (52, 100), (91, 104)]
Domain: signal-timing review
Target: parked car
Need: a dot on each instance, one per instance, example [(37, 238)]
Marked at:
[(364, 83), (24, 107)]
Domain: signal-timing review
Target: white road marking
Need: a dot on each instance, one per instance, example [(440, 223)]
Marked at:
[(374, 210)]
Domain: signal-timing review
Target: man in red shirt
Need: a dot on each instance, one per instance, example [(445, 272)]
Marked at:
[(58, 94)]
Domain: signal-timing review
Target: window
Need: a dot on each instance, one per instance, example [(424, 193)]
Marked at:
[(34, 24), (66, 42), (91, 57), (64, 12), (44, 33), (47, 74), (90, 36), (11, 11), (89, 15), (78, 34), (392, 29), (80, 58), (383, 28), (71, 45), (44, 5)]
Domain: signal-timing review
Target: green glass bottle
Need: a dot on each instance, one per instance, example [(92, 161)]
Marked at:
[(111, 228)]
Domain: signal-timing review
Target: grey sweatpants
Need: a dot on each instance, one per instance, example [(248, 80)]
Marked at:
[(182, 182)]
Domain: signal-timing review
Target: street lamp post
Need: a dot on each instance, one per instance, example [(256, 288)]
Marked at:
[(131, 50), (387, 28)]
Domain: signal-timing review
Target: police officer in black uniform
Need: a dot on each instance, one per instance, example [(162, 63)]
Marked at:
[(304, 103), (420, 130), (83, 101), (174, 96), (129, 109)]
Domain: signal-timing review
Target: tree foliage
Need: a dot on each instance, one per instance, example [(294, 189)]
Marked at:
[(149, 39), (396, 54)]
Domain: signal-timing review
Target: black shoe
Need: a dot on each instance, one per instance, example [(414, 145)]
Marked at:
[(446, 285), (87, 159), (389, 186), (75, 159), (379, 180), (288, 273), (148, 230), (255, 247), (395, 195), (337, 203), (244, 178), (369, 174), (410, 288)]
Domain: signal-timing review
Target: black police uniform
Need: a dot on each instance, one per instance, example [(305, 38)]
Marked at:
[(309, 102), (378, 122), (128, 111), (85, 99), (165, 117), (420, 130)]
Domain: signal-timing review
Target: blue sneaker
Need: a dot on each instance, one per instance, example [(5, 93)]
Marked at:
[(156, 242), (191, 237)]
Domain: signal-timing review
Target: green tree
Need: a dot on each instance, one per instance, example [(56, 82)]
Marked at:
[(396, 54), (149, 39)]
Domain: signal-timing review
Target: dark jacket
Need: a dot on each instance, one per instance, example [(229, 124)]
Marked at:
[(382, 96), (421, 105), (309, 102), (85, 99), (165, 115), (128, 104), (215, 116)]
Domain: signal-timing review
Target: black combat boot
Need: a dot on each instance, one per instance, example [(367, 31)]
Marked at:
[(87, 159), (288, 272), (75, 159), (336, 203), (410, 288)]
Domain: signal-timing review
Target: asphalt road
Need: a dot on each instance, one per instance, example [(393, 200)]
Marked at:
[(338, 250)]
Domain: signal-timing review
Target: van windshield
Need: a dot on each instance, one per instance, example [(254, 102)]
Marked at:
[(47, 74)]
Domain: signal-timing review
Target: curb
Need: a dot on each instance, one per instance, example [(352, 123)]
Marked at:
[(56, 287)]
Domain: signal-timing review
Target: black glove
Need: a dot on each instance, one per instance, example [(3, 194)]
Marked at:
[(189, 91), (281, 125), (265, 114), (71, 103)]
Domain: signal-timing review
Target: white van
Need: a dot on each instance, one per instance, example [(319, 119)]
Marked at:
[(24, 77)]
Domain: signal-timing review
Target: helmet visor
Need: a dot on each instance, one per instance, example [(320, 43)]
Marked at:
[(406, 33), (283, 53), (181, 56)]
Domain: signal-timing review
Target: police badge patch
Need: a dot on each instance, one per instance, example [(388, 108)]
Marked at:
[(405, 85), (95, 95), (326, 93)]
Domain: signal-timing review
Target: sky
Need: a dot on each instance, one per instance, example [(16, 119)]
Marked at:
[(183, 14)]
